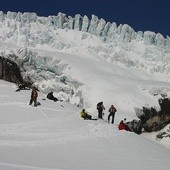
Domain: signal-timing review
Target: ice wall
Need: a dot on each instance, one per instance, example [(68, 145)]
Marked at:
[(96, 26)]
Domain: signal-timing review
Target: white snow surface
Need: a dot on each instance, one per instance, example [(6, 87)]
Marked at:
[(53, 136), (106, 63)]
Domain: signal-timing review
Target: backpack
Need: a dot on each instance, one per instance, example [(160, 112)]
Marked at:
[(98, 106)]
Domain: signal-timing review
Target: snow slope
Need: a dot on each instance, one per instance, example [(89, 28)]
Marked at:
[(53, 136)]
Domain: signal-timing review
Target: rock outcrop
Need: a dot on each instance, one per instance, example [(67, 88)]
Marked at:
[(153, 120), (10, 71)]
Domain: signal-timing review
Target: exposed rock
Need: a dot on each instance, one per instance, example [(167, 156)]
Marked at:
[(10, 71), (146, 113), (156, 123), (164, 134), (165, 106), (153, 120), (135, 126)]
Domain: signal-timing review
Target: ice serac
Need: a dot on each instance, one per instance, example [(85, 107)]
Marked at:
[(32, 17), (93, 24), (43, 69), (11, 15), (70, 22), (127, 33), (159, 40), (106, 28), (112, 31), (100, 27), (19, 23), (85, 24), (50, 20), (18, 16), (78, 22), (60, 20), (149, 37), (154, 39), (1, 16), (139, 36), (167, 41)]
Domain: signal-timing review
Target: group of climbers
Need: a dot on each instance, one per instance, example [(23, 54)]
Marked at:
[(112, 110), (100, 107), (123, 125)]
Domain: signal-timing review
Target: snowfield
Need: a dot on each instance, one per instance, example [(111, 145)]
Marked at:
[(53, 136)]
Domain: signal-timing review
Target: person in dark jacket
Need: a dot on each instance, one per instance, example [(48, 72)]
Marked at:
[(112, 111), (22, 87), (50, 96), (34, 95), (100, 108)]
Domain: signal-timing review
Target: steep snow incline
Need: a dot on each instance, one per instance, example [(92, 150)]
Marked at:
[(53, 136)]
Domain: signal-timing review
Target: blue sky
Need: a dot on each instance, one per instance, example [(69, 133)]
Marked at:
[(141, 15)]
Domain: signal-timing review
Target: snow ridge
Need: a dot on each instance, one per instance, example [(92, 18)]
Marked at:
[(108, 31)]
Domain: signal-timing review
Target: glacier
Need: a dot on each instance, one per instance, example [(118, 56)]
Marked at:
[(42, 46), (109, 31)]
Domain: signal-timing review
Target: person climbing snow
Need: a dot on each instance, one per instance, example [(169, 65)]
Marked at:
[(34, 95), (100, 108), (112, 111)]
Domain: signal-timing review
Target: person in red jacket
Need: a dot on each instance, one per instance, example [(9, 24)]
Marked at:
[(112, 111), (34, 95), (122, 125)]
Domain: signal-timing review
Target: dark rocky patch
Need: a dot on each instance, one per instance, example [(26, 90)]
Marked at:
[(10, 71), (153, 120)]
